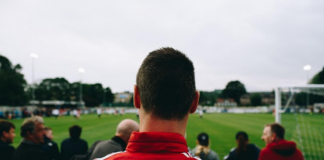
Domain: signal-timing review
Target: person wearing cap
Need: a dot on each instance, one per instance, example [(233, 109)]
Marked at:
[(244, 149), (165, 94), (202, 150)]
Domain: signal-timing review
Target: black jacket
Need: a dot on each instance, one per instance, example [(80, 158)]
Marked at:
[(28, 150), (73, 146), (251, 153), (51, 149), (6, 151)]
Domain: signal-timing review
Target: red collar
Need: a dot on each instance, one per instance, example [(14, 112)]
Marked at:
[(156, 142)]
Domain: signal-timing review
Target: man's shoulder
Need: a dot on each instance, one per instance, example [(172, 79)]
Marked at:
[(6, 149), (65, 140), (298, 154), (83, 141), (265, 150), (146, 156), (213, 153), (108, 143)]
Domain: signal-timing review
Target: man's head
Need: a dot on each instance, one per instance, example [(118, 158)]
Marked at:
[(32, 129), (75, 131), (7, 131), (125, 129), (203, 139), (48, 132), (166, 85), (273, 132)]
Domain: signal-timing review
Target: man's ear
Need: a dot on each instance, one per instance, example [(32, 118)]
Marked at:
[(4, 134), (195, 102), (29, 134), (136, 98), (273, 137)]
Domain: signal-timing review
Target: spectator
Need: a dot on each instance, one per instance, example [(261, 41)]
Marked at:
[(1, 115), (7, 134), (99, 112), (165, 95), (118, 142), (56, 113), (203, 150), (244, 150), (276, 146), (32, 131), (73, 145), (49, 146), (201, 113)]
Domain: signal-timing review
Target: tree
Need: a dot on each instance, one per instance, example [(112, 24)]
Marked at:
[(301, 99), (92, 94), (256, 99), (318, 78), (53, 89), (12, 84), (208, 98), (234, 89), (108, 96)]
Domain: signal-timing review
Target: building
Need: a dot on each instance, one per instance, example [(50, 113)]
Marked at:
[(124, 97), (245, 100), (226, 102)]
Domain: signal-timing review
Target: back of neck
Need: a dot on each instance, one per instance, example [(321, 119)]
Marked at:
[(151, 123)]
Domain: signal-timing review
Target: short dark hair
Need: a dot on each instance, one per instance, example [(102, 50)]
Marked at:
[(5, 126), (278, 129), (166, 84), (75, 131), (241, 137), (243, 134)]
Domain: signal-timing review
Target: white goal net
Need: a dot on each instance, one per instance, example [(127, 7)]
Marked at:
[(300, 109)]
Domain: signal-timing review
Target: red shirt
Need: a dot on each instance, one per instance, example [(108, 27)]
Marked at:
[(281, 150), (153, 145)]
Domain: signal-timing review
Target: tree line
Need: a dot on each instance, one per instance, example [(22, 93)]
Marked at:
[(236, 89), (15, 91)]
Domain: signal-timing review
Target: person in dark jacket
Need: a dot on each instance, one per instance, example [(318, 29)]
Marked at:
[(276, 146), (244, 149), (118, 142), (32, 131), (7, 134), (49, 146), (74, 145)]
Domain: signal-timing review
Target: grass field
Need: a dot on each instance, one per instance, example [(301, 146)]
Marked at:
[(221, 128)]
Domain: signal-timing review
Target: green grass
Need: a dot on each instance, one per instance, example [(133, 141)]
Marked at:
[(308, 132), (221, 128)]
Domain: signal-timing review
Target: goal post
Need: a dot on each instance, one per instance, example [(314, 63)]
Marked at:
[(317, 89), (302, 125)]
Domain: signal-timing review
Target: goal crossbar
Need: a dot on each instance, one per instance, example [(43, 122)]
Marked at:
[(311, 88)]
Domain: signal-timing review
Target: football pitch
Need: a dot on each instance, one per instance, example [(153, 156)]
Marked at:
[(220, 127)]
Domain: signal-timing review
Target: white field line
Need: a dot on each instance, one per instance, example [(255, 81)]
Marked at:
[(305, 135), (313, 148), (299, 136)]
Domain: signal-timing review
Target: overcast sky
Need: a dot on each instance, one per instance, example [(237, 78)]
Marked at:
[(263, 44)]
